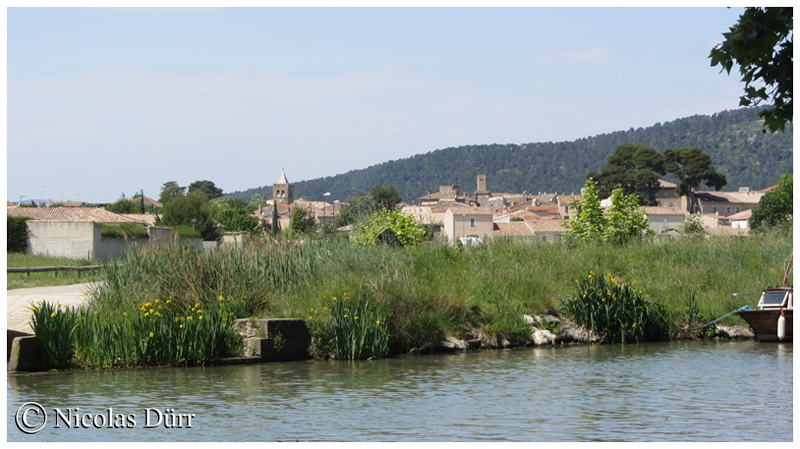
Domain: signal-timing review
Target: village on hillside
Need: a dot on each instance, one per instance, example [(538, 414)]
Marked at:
[(453, 215)]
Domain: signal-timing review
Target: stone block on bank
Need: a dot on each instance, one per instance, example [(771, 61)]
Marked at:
[(25, 355), (733, 332), (282, 338), (11, 335)]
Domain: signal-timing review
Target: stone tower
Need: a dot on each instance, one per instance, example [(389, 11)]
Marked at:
[(481, 194), (283, 191)]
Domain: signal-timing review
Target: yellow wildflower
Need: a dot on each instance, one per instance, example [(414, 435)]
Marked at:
[(157, 300), (151, 311), (52, 315), (159, 306), (181, 326), (85, 293), (95, 312), (355, 317), (151, 335), (169, 300), (193, 309), (197, 305), (634, 325), (125, 314), (346, 316), (34, 309), (146, 314), (189, 317), (200, 317), (378, 322), (199, 310), (221, 298)]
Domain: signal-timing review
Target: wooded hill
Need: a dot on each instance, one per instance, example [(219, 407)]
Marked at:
[(734, 140)]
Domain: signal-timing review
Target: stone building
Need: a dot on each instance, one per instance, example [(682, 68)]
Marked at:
[(283, 191)]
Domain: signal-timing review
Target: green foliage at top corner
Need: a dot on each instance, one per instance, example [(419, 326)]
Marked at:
[(125, 206), (407, 231), (761, 44)]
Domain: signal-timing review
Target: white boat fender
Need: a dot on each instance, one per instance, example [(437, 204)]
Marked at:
[(781, 326)]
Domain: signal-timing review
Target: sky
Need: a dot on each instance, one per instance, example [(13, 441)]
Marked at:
[(103, 102)]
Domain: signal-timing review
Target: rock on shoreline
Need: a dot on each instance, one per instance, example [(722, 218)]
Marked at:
[(546, 330)]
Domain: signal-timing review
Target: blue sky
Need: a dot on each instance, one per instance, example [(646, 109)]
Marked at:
[(105, 101)]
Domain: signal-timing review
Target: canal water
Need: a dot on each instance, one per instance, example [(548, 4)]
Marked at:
[(674, 391)]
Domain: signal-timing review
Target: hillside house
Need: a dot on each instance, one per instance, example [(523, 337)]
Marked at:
[(663, 219)]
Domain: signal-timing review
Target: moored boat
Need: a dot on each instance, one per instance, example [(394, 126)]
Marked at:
[(774, 318), (774, 303)]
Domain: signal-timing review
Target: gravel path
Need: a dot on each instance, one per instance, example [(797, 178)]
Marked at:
[(19, 302)]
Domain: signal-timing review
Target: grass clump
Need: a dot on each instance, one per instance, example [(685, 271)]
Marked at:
[(54, 327), (161, 333), (349, 330), (619, 312)]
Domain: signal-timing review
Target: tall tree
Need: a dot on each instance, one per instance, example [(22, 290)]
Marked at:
[(301, 221), (385, 197), (634, 169), (208, 188), (692, 166), (274, 219), (169, 191), (182, 209), (760, 43)]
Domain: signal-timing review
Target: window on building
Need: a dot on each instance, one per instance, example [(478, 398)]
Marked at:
[(666, 223), (714, 210), (728, 210), (472, 222), (737, 209), (657, 193)]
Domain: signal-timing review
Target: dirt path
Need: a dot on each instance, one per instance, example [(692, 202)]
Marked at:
[(19, 301)]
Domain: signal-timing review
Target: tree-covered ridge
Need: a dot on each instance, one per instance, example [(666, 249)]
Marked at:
[(734, 140)]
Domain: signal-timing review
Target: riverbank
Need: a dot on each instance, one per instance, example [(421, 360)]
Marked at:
[(398, 300)]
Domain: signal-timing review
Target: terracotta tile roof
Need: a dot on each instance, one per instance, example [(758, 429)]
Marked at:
[(743, 215), (515, 228), (149, 202), (470, 210), (660, 210), (731, 197), (70, 214), (545, 226), (424, 214), (148, 219), (667, 184), (10, 204)]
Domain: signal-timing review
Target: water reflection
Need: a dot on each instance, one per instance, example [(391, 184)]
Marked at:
[(676, 391)]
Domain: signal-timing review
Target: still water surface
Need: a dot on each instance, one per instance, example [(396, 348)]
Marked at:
[(675, 391)]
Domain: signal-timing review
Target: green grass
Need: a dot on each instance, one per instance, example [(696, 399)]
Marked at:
[(46, 279), (430, 291)]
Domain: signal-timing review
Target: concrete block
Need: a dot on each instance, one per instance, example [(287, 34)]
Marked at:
[(11, 335), (25, 355)]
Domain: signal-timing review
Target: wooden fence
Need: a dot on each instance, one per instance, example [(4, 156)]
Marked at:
[(55, 270)]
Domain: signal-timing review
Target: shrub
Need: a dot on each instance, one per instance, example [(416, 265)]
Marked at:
[(407, 231), (17, 234), (125, 230), (619, 312)]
